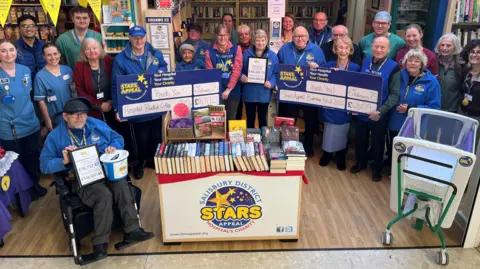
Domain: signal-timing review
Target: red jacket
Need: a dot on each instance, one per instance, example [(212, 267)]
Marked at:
[(82, 77)]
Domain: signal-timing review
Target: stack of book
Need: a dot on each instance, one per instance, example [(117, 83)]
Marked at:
[(249, 157), (278, 160), (295, 154)]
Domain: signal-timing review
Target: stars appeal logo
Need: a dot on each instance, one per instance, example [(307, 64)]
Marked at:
[(135, 90), (231, 206)]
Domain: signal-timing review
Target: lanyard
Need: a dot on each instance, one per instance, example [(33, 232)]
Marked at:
[(295, 57), (378, 70), (321, 40), (408, 87), (73, 138), (77, 38)]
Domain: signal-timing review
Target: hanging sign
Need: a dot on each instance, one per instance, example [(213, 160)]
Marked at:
[(97, 8), (83, 3), (276, 8), (4, 10), (52, 7), (44, 6)]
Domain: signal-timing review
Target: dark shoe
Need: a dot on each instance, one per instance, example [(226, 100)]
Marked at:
[(138, 170), (326, 158), (99, 253), (376, 176), (134, 237), (357, 168), (39, 190), (341, 163)]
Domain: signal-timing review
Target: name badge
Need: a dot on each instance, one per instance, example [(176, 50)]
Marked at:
[(469, 97), (226, 75), (4, 80), (100, 95), (8, 99), (25, 81), (65, 77), (52, 98)]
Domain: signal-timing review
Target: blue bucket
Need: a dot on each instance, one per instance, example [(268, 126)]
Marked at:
[(115, 164)]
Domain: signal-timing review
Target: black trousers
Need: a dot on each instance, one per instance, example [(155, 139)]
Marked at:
[(100, 197), (28, 149), (310, 114), (145, 138), (377, 129), (391, 136), (252, 109), (240, 110)]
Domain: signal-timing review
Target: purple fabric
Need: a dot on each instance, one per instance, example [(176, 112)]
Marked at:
[(408, 130), (20, 183), (5, 218), (467, 144)]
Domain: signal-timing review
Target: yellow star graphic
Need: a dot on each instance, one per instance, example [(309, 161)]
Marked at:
[(298, 69), (220, 199), (231, 191), (232, 200), (141, 78), (229, 62), (145, 83)]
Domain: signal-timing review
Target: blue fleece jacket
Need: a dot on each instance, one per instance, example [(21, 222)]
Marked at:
[(321, 38), (201, 49), (126, 63), (288, 54), (425, 92), (196, 64), (96, 132), (257, 93), (332, 115)]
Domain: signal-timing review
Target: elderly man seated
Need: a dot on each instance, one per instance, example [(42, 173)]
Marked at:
[(79, 130)]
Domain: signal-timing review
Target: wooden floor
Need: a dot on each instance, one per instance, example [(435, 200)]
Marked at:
[(339, 210)]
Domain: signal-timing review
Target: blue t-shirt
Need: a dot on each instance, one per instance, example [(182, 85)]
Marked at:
[(54, 90)]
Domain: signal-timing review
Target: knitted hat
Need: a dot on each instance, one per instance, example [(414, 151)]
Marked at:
[(186, 47)]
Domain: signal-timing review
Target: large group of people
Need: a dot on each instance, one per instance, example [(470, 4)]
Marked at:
[(36, 90)]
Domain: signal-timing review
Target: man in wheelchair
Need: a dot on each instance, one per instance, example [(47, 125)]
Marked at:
[(80, 130)]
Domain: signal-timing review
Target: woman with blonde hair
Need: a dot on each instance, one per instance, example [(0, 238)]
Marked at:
[(92, 75)]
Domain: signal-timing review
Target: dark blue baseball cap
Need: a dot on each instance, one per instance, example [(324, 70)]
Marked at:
[(137, 31)]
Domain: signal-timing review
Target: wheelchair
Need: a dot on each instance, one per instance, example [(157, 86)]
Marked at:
[(78, 218)]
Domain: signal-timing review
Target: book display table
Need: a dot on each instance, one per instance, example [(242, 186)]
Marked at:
[(230, 206)]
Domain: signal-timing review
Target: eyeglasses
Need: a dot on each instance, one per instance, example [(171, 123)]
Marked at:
[(339, 35), (28, 26), (79, 115), (300, 36), (475, 52), (223, 36), (383, 24)]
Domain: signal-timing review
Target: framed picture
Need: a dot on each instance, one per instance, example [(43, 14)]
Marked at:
[(257, 70), (375, 4), (86, 165)]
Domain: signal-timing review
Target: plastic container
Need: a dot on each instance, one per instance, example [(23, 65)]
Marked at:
[(115, 164)]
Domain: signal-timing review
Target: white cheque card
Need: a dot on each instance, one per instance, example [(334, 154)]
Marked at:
[(86, 164)]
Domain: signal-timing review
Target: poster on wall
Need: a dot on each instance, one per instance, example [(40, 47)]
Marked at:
[(323, 87), (146, 95), (159, 35), (276, 8), (230, 207), (166, 58)]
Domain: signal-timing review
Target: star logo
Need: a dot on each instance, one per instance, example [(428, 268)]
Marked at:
[(220, 199), (141, 78), (229, 62), (298, 69)]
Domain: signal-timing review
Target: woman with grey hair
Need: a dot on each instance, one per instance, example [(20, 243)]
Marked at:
[(450, 69), (258, 96), (418, 88)]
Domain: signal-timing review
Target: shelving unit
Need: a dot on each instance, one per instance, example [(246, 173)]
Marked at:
[(465, 24), (254, 13)]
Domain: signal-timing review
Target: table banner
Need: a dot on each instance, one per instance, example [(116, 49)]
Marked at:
[(231, 207), (155, 94), (323, 87)]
